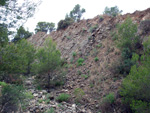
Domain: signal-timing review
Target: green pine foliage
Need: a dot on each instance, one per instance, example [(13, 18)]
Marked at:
[(63, 24), (76, 13), (110, 98), (74, 16), (45, 27), (126, 35), (80, 61), (63, 97), (21, 34), (48, 59), (3, 2), (17, 58), (3, 35), (135, 87), (79, 93), (126, 40), (113, 11), (12, 97)]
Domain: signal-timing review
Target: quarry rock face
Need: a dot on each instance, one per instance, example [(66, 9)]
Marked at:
[(91, 40), (83, 36)]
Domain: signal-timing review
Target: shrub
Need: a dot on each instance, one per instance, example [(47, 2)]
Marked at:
[(47, 101), (85, 76), (99, 45), (135, 87), (3, 84), (63, 97), (93, 28), (11, 97), (40, 100), (29, 95), (62, 24), (79, 72), (107, 102), (126, 35), (74, 54), (110, 98), (79, 93), (126, 40), (101, 18), (80, 61), (96, 59), (51, 110)]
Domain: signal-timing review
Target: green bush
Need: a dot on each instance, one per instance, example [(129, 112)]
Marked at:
[(85, 76), (62, 24), (99, 45), (79, 93), (63, 97), (80, 61), (51, 110), (3, 84), (93, 28), (96, 59), (110, 98), (107, 103), (11, 97), (126, 40), (135, 87), (101, 18), (29, 95), (74, 54), (126, 35), (47, 101)]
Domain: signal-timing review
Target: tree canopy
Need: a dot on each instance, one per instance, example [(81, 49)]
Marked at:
[(21, 33), (112, 11), (48, 59), (3, 34), (14, 13), (45, 27), (76, 13), (15, 58), (62, 24), (74, 16)]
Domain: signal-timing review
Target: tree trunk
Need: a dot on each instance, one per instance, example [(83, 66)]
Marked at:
[(48, 82), (28, 69)]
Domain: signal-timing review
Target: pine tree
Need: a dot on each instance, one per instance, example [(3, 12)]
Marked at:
[(48, 59)]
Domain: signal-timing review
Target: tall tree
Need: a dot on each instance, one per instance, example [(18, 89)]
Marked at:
[(112, 11), (17, 58), (3, 35), (76, 13), (45, 27), (27, 52), (48, 59), (136, 86), (14, 13), (21, 33)]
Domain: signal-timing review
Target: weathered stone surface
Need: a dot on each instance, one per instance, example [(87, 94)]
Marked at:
[(86, 47)]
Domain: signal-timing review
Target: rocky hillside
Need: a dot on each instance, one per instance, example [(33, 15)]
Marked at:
[(92, 41)]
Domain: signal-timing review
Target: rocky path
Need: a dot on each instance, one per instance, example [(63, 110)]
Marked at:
[(43, 102)]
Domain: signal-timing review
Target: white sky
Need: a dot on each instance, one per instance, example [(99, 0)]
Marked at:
[(55, 10)]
